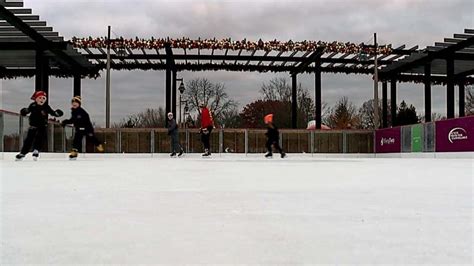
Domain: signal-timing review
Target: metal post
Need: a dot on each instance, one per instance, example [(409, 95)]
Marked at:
[(427, 81), (221, 140), (246, 141), (393, 101), (168, 91), (450, 87), (294, 104), (152, 141), (20, 131), (107, 82), (41, 75), (462, 99), (317, 94), (51, 138), (344, 141), (173, 95), (376, 85), (180, 119)]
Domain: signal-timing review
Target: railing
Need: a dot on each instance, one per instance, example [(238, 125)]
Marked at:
[(13, 128)]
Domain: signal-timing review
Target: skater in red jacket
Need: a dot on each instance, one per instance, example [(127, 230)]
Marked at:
[(207, 124)]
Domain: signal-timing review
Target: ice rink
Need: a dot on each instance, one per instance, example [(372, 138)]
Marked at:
[(236, 209)]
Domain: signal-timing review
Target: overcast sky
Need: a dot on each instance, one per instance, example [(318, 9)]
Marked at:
[(410, 22)]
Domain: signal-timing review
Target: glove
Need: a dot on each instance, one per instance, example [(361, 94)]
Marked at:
[(24, 111), (59, 112)]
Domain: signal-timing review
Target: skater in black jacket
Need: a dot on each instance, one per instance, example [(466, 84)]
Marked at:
[(173, 133), (83, 127), (37, 132), (273, 137)]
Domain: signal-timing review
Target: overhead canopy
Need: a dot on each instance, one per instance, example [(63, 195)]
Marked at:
[(23, 36), (260, 56), (460, 49)]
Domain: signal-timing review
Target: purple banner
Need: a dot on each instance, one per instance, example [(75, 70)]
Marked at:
[(388, 140), (455, 134)]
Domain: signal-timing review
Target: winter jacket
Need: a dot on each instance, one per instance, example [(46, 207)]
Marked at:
[(273, 134), (206, 118), (80, 119), (39, 114), (172, 127)]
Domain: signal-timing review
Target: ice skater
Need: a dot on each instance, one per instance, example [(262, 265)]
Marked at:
[(207, 124), (83, 127), (37, 132), (273, 137), (173, 133)]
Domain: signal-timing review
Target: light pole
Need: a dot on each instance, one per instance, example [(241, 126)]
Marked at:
[(181, 91)]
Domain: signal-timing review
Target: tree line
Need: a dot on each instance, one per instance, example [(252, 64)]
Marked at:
[(275, 97)]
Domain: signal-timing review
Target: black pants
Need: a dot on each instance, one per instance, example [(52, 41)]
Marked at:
[(175, 146), (79, 135), (206, 138), (35, 138), (275, 144)]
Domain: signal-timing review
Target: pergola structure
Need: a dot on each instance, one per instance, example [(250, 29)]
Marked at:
[(30, 48), (450, 62)]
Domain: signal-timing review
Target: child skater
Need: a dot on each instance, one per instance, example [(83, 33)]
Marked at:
[(83, 127), (37, 132), (273, 137), (173, 133), (207, 124)]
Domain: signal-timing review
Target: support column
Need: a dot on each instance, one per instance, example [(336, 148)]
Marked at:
[(462, 99), (427, 81), (384, 105), (450, 88), (294, 104), (77, 85), (393, 101), (317, 95), (168, 92), (173, 95), (42, 75)]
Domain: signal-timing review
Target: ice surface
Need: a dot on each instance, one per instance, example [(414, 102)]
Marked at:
[(236, 209)]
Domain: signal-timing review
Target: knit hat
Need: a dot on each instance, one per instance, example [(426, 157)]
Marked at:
[(268, 119), (76, 99), (38, 94)]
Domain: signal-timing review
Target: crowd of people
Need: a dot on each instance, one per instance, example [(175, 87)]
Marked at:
[(39, 111)]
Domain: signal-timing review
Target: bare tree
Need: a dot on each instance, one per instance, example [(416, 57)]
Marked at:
[(343, 115), (366, 114), (150, 118), (213, 95)]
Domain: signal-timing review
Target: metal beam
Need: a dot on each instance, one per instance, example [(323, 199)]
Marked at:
[(308, 61), (427, 83), (29, 45), (393, 101), (43, 43), (77, 85), (294, 102), (462, 100), (384, 105), (450, 88), (317, 94), (29, 23)]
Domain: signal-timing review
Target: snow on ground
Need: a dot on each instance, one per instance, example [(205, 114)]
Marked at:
[(236, 209)]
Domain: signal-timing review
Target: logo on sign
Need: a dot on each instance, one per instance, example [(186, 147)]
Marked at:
[(387, 141), (457, 133)]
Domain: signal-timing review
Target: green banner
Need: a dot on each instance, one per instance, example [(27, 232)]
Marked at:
[(417, 138)]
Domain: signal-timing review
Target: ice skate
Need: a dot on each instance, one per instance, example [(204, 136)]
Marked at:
[(100, 148), (35, 155), (283, 155), (181, 152), (206, 153), (73, 155), (268, 155), (19, 157), (173, 154)]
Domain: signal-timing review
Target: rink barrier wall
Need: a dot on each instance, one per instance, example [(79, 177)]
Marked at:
[(453, 135)]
